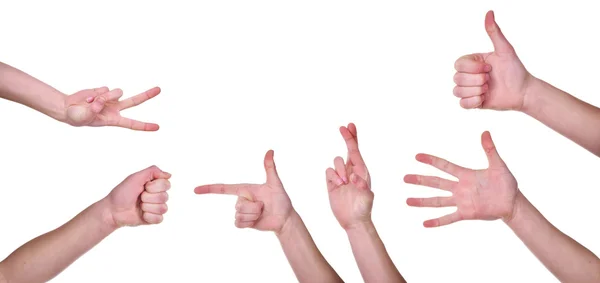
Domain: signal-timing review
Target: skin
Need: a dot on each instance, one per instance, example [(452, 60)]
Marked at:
[(139, 200), (351, 200), (493, 193), (498, 80), (90, 107), (267, 207)]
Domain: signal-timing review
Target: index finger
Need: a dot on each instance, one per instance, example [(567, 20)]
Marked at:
[(224, 189), (472, 64), (352, 145), (441, 164), (139, 99)]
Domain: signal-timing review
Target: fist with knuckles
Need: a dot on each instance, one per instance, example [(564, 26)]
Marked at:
[(141, 199), (494, 80)]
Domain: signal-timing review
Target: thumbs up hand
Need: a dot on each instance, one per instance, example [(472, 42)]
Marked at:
[(495, 80), (487, 194)]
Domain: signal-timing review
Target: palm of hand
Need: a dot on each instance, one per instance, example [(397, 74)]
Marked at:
[(350, 204), (508, 82), (485, 194), (479, 194), (101, 107), (79, 112)]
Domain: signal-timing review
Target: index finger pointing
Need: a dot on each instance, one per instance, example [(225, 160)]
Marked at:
[(139, 99), (223, 189)]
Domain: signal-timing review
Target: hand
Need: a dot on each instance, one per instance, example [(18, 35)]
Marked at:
[(140, 199), (101, 107), (352, 201), (264, 207), (495, 80), (487, 194)]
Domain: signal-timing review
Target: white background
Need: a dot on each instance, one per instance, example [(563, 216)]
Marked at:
[(240, 77)]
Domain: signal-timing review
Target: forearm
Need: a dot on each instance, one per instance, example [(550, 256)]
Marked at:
[(371, 256), (306, 260), (17, 86), (44, 257), (565, 114), (568, 260)]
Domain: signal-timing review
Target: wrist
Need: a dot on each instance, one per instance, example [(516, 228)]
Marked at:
[(105, 216), (289, 225), (361, 227), (60, 111), (518, 205), (531, 95)]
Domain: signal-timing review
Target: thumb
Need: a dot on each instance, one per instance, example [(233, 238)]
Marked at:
[(152, 173), (493, 30), (359, 182), (271, 170), (493, 157)]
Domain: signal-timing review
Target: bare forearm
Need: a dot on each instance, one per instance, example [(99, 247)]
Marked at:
[(44, 257), (371, 256), (306, 260), (564, 113), (568, 260), (17, 86)]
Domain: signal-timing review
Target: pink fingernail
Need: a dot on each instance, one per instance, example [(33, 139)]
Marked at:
[(345, 180), (487, 68), (89, 99), (339, 182)]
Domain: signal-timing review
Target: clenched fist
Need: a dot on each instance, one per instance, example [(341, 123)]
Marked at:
[(140, 199)]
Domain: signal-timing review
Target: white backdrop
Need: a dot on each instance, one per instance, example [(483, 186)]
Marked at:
[(240, 77)]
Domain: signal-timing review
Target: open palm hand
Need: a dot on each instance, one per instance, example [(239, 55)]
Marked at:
[(487, 194)]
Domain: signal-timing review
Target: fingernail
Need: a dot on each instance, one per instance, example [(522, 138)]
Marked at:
[(345, 180), (339, 181), (487, 68), (89, 99)]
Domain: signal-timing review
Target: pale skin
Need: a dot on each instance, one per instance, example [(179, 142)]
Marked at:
[(498, 80), (90, 107), (267, 207), (139, 200), (351, 200), (493, 193)]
